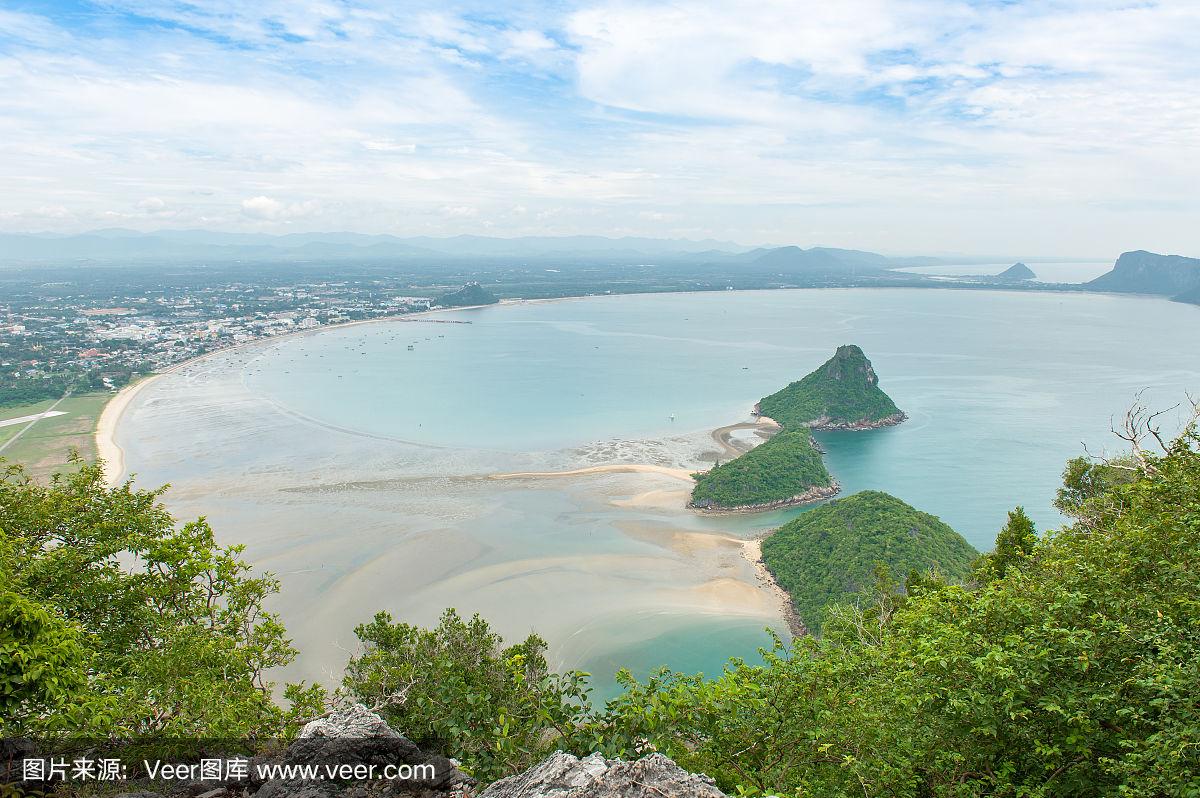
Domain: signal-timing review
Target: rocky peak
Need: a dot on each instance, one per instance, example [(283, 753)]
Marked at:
[(848, 361), (566, 776)]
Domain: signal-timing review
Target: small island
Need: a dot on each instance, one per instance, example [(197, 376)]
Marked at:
[(843, 393), (786, 469), (469, 295), (828, 554), (1016, 273)]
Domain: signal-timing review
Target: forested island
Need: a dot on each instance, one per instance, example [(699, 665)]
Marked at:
[(827, 555), (843, 393), (787, 469)]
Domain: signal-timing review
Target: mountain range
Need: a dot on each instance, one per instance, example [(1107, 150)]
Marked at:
[(202, 245), (199, 246)]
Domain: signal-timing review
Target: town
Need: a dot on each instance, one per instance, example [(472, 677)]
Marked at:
[(78, 335)]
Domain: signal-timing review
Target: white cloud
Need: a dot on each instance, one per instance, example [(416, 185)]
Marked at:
[(269, 209), (896, 124)]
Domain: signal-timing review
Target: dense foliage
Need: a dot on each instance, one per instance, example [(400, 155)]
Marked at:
[(1074, 670), (1065, 666), (15, 391), (785, 466), (830, 553), (457, 690), (116, 620), (844, 390)]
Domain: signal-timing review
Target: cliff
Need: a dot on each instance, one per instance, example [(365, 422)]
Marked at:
[(355, 737), (843, 393), (1144, 272)]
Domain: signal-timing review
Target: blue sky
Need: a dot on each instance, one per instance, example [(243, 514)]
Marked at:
[(1054, 127)]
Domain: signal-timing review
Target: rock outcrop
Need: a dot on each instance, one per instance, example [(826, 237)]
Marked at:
[(567, 776), (356, 736), (313, 766)]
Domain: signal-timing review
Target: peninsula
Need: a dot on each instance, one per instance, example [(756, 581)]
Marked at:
[(830, 553)]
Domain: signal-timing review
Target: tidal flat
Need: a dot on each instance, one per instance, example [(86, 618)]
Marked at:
[(358, 470)]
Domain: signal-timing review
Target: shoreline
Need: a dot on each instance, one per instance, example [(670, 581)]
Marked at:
[(113, 456), (109, 453), (810, 496), (752, 551)]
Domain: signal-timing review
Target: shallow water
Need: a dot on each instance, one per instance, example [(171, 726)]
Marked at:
[(353, 467)]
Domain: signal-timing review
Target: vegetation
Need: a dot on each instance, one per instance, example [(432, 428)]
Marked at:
[(785, 466), (843, 391), (830, 553), (119, 621), (470, 294), (457, 689), (1073, 670), (1066, 666)]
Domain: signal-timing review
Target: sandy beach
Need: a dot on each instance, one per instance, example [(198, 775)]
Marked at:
[(107, 449)]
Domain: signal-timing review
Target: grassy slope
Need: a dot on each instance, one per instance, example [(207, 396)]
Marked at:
[(44, 448), (830, 552), (784, 466)]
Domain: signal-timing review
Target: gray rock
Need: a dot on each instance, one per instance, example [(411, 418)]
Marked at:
[(356, 736), (566, 776), (353, 722)]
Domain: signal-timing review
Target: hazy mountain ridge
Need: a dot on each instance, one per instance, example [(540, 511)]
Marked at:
[(121, 245)]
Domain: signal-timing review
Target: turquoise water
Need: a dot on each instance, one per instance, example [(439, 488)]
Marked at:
[(352, 466), (1001, 388)]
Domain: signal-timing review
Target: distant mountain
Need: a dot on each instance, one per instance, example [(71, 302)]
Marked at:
[(1144, 272), (843, 393), (469, 295), (819, 261), (829, 553), (527, 246), (117, 244), (1016, 273), (199, 246)]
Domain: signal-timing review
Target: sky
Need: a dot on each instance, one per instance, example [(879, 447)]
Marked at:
[(1055, 128)]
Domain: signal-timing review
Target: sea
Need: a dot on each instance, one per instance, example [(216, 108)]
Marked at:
[(357, 463)]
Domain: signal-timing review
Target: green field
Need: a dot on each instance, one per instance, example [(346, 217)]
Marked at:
[(44, 448)]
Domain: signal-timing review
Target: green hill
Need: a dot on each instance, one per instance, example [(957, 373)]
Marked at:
[(829, 553), (782, 470), (469, 295), (844, 393)]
